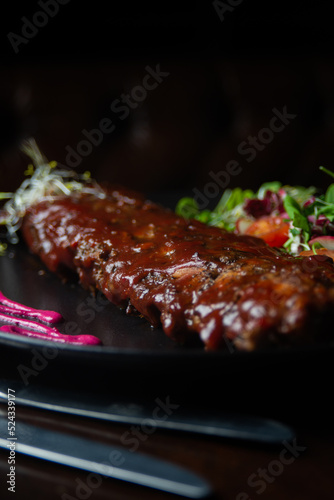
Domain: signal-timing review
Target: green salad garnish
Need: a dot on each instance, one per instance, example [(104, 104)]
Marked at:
[(309, 213)]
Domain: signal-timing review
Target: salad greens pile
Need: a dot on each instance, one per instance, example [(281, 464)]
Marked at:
[(310, 214)]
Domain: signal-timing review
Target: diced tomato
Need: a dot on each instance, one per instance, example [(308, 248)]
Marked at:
[(272, 229)]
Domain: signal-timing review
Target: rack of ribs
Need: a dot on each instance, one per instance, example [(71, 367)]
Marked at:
[(196, 281)]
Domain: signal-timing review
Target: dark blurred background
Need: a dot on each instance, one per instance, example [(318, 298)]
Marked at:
[(224, 66)]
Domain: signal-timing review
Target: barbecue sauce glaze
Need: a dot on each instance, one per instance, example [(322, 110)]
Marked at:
[(195, 280)]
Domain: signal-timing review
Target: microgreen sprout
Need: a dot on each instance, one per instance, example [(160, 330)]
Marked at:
[(3, 248), (44, 180), (329, 172)]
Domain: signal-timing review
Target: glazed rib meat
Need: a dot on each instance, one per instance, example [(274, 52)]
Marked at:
[(196, 281)]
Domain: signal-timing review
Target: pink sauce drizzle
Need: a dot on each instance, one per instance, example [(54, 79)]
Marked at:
[(22, 326), (42, 315), (73, 339)]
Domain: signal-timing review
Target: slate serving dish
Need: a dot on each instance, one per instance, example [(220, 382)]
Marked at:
[(136, 359)]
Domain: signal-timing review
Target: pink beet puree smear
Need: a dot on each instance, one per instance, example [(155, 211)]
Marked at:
[(20, 320), (16, 308)]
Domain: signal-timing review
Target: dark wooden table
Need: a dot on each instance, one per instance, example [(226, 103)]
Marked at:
[(236, 470)]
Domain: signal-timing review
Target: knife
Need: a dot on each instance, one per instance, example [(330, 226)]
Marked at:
[(102, 459), (220, 424)]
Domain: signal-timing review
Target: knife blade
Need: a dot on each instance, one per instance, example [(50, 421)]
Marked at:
[(212, 423), (111, 461)]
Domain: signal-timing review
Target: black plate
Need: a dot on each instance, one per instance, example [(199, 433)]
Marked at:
[(137, 358)]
